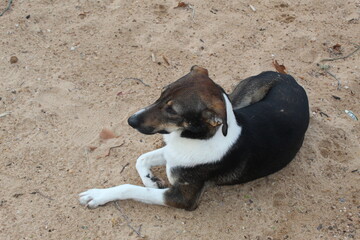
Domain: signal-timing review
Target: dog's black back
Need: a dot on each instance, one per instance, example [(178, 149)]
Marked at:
[(273, 131)]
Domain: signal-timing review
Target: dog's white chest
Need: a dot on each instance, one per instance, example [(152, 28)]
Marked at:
[(190, 152)]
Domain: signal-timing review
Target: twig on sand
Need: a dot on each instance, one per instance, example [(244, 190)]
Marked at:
[(123, 168), (108, 154), (166, 60), (136, 79), (338, 80), (41, 194), (343, 57), (323, 114), (7, 8), (86, 151), (193, 11), (127, 220), (4, 114), (326, 68), (252, 8)]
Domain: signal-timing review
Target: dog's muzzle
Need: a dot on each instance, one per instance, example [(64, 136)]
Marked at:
[(136, 122)]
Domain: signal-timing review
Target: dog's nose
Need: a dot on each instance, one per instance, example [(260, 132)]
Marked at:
[(133, 121)]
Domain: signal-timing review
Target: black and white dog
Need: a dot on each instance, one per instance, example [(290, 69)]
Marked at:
[(212, 138)]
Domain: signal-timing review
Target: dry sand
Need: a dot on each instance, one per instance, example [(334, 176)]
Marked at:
[(68, 84)]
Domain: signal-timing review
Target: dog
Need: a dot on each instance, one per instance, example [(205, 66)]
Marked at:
[(213, 138)]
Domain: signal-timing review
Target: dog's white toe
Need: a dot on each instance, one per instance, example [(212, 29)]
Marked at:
[(84, 199), (94, 197)]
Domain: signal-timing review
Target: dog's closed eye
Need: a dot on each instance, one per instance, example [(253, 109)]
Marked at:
[(169, 109)]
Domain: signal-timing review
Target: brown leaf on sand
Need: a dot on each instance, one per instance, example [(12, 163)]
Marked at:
[(337, 48), (182, 5), (166, 60), (107, 134), (279, 68), (92, 148)]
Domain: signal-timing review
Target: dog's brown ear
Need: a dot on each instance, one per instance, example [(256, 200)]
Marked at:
[(199, 70), (215, 118), (212, 96)]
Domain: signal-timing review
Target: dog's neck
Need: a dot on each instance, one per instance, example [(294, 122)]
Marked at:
[(190, 152)]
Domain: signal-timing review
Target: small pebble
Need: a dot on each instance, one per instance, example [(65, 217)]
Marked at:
[(13, 59), (319, 227)]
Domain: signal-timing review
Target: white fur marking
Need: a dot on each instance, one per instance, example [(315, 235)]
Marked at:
[(186, 152), (140, 111)]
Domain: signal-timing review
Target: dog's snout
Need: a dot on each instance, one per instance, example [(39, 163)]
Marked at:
[(134, 121)]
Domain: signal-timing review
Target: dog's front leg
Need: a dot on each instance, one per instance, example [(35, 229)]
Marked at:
[(185, 196), (96, 197), (144, 164)]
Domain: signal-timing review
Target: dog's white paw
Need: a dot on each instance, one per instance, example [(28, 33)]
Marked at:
[(153, 182), (149, 182), (95, 197)]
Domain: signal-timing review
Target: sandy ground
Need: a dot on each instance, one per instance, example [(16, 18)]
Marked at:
[(68, 84)]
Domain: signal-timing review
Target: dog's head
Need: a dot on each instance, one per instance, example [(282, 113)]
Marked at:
[(194, 105)]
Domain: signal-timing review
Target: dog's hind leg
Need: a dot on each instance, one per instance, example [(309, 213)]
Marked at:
[(184, 195), (144, 164)]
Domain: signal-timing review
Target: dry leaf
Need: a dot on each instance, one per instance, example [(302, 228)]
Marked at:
[(83, 15), (182, 5), (92, 148), (106, 134), (279, 68), (337, 47), (166, 60)]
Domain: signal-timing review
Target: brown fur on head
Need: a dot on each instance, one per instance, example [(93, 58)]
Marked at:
[(193, 104)]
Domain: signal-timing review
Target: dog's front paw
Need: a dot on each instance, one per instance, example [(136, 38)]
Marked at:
[(95, 197), (153, 182), (149, 181), (159, 182)]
